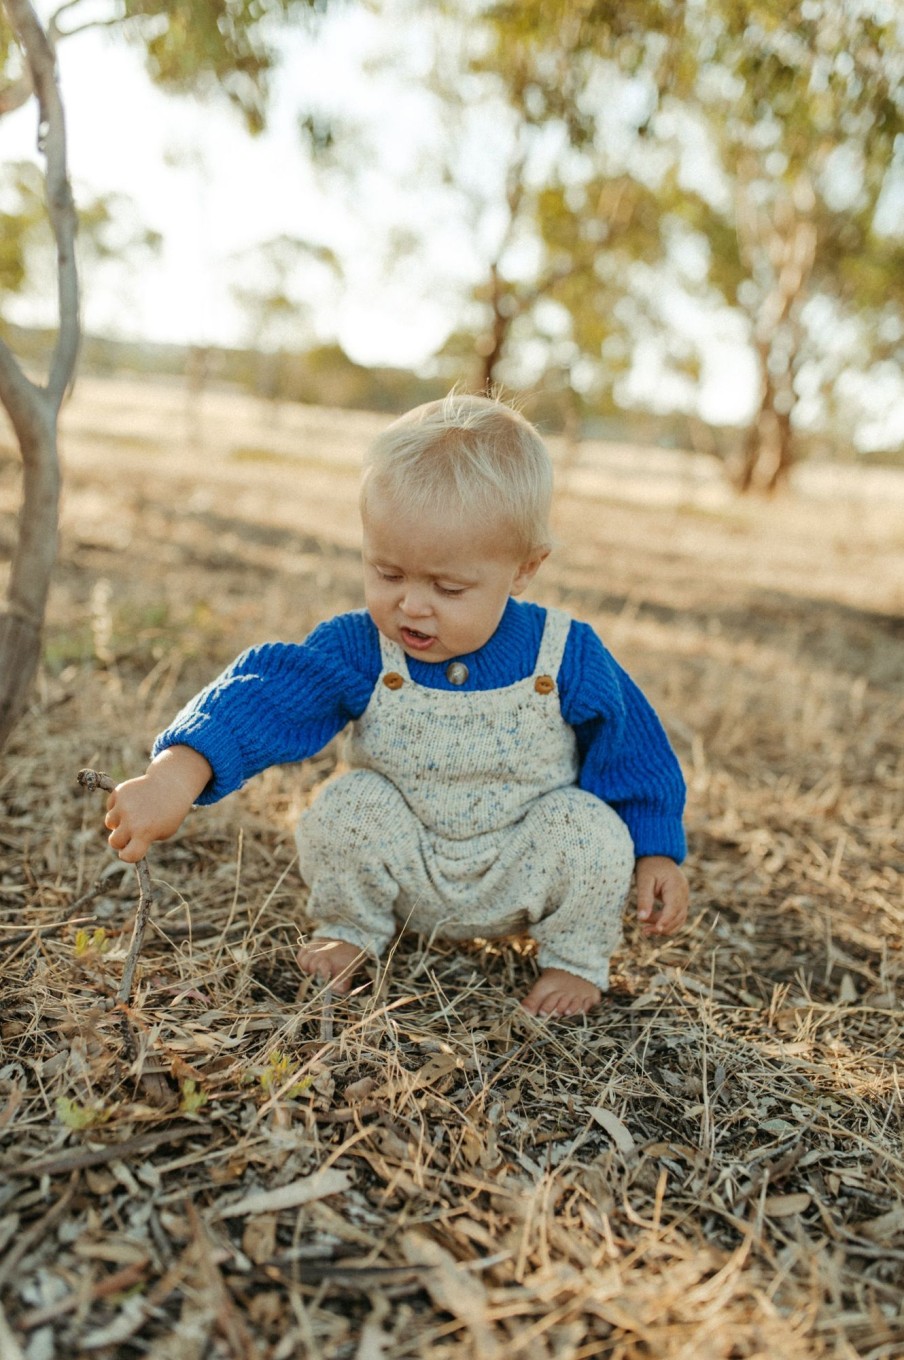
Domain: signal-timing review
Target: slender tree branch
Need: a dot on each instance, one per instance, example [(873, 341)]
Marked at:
[(91, 780), (57, 34), (17, 92), (17, 392), (41, 62)]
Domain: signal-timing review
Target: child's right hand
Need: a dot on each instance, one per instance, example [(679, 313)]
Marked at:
[(154, 806)]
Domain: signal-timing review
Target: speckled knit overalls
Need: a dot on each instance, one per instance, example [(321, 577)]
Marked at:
[(461, 819)]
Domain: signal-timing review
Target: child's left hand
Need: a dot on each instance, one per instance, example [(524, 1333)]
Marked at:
[(662, 895)]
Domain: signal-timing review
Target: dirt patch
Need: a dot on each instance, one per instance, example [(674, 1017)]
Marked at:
[(708, 1167)]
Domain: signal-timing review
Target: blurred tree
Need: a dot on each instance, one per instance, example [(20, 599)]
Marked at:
[(108, 232), (221, 47), (269, 297), (798, 111), (804, 104), (583, 80)]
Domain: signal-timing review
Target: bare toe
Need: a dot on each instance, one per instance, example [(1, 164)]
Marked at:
[(333, 961), (557, 992)]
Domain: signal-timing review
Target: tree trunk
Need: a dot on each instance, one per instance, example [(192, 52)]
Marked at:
[(492, 345), (767, 454), (22, 622), (779, 241), (33, 410)]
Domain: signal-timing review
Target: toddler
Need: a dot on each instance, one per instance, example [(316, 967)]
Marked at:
[(507, 775)]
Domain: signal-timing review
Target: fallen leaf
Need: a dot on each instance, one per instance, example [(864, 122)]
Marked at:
[(452, 1287), (316, 1186), (885, 1228), (783, 1206), (259, 1238), (617, 1131)]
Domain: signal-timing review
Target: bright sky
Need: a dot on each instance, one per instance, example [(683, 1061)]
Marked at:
[(215, 193)]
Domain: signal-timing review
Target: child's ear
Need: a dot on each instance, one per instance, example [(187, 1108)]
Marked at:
[(528, 570)]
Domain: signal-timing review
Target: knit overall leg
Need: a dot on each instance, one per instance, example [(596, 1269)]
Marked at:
[(578, 855), (357, 828)]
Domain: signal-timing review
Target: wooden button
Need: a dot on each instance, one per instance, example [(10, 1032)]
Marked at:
[(392, 680), (544, 684)]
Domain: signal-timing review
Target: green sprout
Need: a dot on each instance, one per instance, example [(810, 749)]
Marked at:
[(77, 1116), (193, 1097), (93, 943), (274, 1076)]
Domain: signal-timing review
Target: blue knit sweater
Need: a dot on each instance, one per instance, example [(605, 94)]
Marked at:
[(282, 702)]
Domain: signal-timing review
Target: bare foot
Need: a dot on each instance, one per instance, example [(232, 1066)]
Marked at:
[(333, 961), (559, 993)]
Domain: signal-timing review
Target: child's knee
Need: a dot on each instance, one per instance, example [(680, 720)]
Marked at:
[(593, 838), (356, 807)]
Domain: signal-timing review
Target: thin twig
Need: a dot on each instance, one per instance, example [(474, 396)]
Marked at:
[(95, 779), (38, 1230), (79, 1158)]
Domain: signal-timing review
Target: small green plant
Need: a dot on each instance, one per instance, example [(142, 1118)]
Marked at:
[(193, 1097), (95, 942), (77, 1116), (274, 1075)]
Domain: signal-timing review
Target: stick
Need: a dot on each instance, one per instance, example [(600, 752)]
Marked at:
[(91, 780), (80, 1158)]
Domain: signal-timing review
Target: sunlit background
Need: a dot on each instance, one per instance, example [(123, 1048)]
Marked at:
[(731, 186)]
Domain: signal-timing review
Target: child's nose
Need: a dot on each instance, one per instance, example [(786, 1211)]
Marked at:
[(416, 601)]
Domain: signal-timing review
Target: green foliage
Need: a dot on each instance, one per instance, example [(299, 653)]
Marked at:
[(271, 302), (211, 49), (90, 942), (800, 107), (272, 1078), (7, 41), (192, 1098), (107, 227), (593, 215), (22, 221), (223, 46), (78, 1116)]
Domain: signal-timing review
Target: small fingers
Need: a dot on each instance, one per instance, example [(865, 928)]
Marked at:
[(670, 918), (131, 852), (128, 847)]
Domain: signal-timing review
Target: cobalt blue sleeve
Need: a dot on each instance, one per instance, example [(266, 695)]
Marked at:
[(626, 758), (279, 703)]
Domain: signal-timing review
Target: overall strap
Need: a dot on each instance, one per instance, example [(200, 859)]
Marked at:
[(552, 644), (392, 657)]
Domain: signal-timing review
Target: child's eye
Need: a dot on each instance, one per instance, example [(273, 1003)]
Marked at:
[(451, 590), (388, 576)]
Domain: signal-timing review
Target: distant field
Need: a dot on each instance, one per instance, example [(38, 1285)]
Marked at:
[(709, 1168)]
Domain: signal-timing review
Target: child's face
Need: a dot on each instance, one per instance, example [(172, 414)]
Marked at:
[(435, 585)]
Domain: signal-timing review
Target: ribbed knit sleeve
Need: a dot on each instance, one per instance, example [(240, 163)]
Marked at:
[(279, 703), (626, 758)]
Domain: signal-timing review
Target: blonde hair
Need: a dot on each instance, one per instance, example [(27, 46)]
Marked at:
[(472, 454)]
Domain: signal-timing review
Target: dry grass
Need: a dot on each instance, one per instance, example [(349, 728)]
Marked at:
[(709, 1168)]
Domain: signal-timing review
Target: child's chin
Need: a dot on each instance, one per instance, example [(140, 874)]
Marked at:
[(423, 656)]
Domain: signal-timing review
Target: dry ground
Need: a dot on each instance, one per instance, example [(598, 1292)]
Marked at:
[(708, 1168)]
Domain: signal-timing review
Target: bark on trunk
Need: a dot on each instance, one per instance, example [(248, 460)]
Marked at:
[(22, 622), (493, 347), (33, 410), (767, 454)]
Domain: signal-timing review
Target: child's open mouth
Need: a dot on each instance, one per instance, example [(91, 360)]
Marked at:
[(415, 640)]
